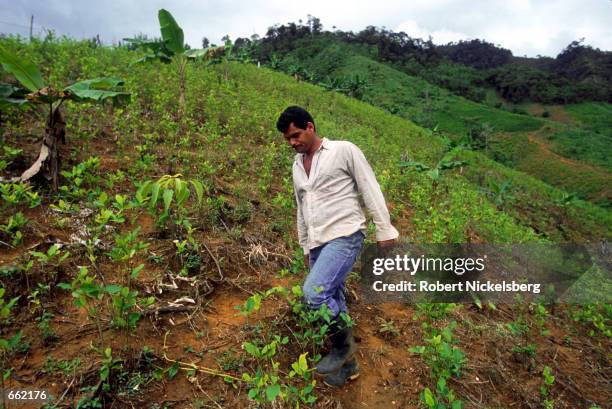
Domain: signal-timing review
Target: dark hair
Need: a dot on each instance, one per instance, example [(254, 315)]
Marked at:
[(296, 115)]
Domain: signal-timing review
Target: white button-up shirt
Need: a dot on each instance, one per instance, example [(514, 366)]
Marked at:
[(328, 201)]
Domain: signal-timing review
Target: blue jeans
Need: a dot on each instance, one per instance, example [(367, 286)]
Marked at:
[(330, 264)]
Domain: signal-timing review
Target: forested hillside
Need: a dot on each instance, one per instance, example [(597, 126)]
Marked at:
[(456, 91)]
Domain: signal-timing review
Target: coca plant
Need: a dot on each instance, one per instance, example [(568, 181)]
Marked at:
[(32, 89)]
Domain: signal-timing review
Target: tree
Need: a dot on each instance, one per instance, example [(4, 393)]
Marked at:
[(172, 49), (36, 92)]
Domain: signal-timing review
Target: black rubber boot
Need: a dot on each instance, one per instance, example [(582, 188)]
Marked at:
[(348, 372), (343, 346)]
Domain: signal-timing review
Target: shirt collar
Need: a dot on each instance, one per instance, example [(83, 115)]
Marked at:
[(324, 145)]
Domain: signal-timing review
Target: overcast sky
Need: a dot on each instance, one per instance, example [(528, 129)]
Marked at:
[(527, 27)]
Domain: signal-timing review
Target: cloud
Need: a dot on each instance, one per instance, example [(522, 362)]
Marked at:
[(439, 36), (524, 26)]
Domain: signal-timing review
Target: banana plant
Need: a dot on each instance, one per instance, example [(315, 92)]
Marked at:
[(172, 49), (35, 91), (434, 173)]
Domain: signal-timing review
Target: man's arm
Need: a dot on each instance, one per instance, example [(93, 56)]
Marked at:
[(301, 225), (372, 195)]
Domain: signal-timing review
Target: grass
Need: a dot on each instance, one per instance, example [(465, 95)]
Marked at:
[(428, 104), (585, 145), (594, 116)]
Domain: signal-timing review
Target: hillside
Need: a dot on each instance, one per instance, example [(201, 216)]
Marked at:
[(125, 301), (468, 68), (571, 156)]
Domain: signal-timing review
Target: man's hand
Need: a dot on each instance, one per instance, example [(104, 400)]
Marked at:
[(307, 260), (385, 245)]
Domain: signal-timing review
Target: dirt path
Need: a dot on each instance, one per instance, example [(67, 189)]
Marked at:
[(556, 113), (535, 137)]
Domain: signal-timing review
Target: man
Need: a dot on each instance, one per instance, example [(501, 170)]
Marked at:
[(328, 177)]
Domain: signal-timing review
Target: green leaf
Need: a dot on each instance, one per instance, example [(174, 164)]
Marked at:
[(26, 72), (104, 373), (12, 302), (430, 401), (434, 174), (199, 189), (97, 89), (167, 196), (442, 386), (417, 349), (171, 33), (173, 370), (91, 290), (203, 53), (152, 57), (272, 392), (13, 95), (133, 318), (100, 83), (181, 191), (6, 90), (154, 193), (251, 349), (418, 166), (136, 271), (15, 339), (303, 364), (457, 404), (143, 190), (196, 53), (147, 302), (113, 289)]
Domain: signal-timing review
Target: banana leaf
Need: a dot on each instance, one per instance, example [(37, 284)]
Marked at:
[(97, 89), (152, 57), (12, 94), (204, 53), (171, 33), (23, 70), (155, 47)]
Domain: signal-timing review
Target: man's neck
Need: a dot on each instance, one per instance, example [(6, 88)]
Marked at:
[(315, 147)]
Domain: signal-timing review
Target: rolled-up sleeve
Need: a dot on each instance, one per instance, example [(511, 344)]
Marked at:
[(372, 195)]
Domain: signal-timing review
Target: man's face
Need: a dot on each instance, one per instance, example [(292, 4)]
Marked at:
[(301, 140)]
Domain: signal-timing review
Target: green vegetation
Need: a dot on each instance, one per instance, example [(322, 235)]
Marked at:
[(443, 358), (171, 49), (30, 79), (468, 68), (584, 145), (594, 116), (503, 136), (167, 223)]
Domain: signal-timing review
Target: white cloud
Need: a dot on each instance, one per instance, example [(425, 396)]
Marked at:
[(525, 26), (439, 36)]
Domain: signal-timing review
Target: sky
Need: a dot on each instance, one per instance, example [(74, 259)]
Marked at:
[(526, 27)]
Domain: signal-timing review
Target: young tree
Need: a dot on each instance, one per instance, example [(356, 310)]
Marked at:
[(35, 91), (172, 49)]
